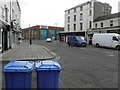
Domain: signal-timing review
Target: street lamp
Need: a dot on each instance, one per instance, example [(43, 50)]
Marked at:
[(56, 31)]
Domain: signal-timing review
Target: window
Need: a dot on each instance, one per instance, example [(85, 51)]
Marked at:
[(119, 21), (81, 8), (115, 39), (68, 11), (101, 24), (81, 16), (90, 12), (13, 14), (74, 26), (6, 14), (90, 24), (74, 17), (95, 25), (2, 12), (81, 26), (90, 5), (68, 27), (68, 18), (74, 10), (104, 9), (111, 23)]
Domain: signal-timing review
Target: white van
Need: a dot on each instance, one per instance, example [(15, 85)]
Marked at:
[(111, 40)]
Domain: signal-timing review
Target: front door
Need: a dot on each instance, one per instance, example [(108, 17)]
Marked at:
[(4, 41)]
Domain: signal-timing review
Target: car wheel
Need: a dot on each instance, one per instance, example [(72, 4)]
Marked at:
[(76, 45), (97, 45), (69, 44), (117, 47)]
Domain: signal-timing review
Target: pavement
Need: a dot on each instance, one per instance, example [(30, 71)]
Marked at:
[(24, 51)]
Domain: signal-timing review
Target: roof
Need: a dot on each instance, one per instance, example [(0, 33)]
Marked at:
[(105, 17), (79, 5), (44, 26), (85, 3)]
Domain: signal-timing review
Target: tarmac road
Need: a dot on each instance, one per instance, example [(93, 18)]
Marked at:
[(85, 67)]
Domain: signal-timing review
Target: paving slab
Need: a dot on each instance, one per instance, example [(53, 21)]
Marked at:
[(24, 51)]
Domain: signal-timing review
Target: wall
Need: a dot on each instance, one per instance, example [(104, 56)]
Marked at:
[(100, 9), (97, 10), (119, 6), (86, 17), (4, 22), (15, 15), (43, 32), (106, 23)]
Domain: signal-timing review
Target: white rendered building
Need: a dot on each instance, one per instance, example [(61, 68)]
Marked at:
[(79, 19), (9, 23)]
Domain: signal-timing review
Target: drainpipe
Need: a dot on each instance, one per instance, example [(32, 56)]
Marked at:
[(10, 40), (2, 39)]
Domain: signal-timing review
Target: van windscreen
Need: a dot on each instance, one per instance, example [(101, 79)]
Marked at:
[(80, 38)]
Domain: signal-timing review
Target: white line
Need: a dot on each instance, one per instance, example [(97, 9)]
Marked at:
[(111, 55)]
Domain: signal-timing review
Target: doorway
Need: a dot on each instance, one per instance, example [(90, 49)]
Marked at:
[(4, 40)]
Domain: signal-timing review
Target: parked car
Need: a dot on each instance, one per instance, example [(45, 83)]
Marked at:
[(48, 40), (111, 40), (76, 41)]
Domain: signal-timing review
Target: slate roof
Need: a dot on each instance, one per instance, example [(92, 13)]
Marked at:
[(101, 18)]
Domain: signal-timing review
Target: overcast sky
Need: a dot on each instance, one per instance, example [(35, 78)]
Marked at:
[(49, 12)]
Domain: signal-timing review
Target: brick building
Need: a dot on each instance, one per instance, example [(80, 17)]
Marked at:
[(41, 32)]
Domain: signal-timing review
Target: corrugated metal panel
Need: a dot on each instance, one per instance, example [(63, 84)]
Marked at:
[(51, 33), (43, 34)]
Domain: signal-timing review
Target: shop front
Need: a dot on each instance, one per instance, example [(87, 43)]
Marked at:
[(4, 35), (63, 35)]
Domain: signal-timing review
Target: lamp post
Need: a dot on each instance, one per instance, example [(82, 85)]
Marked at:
[(29, 32), (56, 24)]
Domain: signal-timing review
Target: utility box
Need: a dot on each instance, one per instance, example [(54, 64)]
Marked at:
[(18, 74), (47, 74)]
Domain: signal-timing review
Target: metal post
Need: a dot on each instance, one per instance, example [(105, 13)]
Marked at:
[(55, 31)]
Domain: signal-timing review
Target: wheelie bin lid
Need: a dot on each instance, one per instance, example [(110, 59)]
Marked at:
[(19, 66), (47, 65)]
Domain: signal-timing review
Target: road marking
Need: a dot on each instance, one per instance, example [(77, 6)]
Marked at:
[(107, 52), (52, 53), (111, 55)]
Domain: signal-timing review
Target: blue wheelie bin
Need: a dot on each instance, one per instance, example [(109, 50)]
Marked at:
[(18, 75), (47, 74)]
